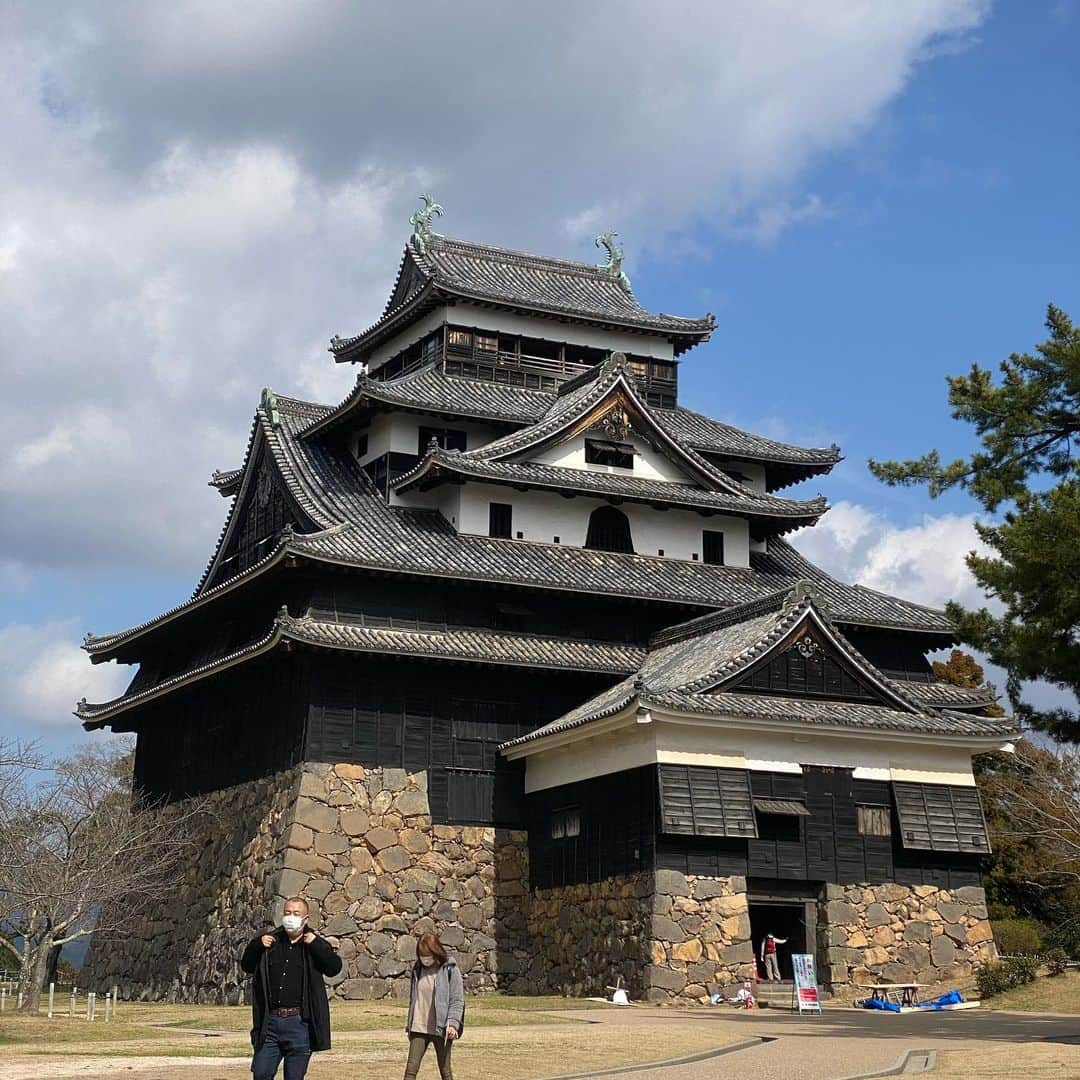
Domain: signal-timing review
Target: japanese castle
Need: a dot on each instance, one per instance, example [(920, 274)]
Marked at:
[(510, 644)]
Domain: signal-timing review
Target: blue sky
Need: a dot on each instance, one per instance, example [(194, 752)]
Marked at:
[(867, 198)]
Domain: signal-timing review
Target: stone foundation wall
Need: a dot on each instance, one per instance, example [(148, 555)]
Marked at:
[(699, 936), (360, 846), (586, 936), (189, 948), (900, 933)]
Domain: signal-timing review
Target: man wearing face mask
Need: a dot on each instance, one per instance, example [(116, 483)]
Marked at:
[(291, 1017)]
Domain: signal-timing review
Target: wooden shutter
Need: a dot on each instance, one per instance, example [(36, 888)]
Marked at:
[(697, 800), (941, 817)]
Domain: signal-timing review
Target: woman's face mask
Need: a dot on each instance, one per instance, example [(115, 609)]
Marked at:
[(427, 961), (292, 923)]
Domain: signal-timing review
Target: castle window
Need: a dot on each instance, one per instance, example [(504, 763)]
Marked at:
[(712, 546), (500, 520), (461, 339), (875, 821), (447, 438), (609, 530), (487, 343), (566, 823), (602, 452)]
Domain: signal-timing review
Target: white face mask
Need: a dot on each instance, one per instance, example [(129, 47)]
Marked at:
[(427, 961), (292, 923)]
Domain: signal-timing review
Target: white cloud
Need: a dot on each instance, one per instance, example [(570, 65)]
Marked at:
[(42, 674), (203, 195), (922, 562)]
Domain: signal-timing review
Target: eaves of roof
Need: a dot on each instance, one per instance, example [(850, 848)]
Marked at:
[(440, 465), (457, 644)]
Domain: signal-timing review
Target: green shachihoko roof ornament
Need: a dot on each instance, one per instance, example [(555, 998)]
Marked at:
[(614, 258), (421, 222)]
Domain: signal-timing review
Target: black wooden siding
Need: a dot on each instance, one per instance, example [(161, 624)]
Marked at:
[(700, 801), (819, 673), (941, 817), (617, 816)]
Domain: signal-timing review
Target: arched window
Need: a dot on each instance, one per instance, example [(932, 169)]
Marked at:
[(609, 530)]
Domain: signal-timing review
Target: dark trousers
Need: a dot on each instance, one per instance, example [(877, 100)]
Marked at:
[(418, 1044), (287, 1038)]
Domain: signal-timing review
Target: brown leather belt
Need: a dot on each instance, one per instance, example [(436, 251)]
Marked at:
[(285, 1012)]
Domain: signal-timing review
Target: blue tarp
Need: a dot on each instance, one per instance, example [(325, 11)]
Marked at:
[(951, 997), (878, 1003)]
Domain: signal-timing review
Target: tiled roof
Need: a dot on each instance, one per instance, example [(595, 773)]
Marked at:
[(941, 695), (693, 668), (523, 282), (462, 644), (794, 513), (715, 437), (227, 481), (355, 527)]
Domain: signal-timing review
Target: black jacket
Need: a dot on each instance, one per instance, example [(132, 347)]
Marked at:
[(319, 959)]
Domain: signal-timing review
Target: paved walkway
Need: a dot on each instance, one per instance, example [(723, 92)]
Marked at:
[(840, 1043)]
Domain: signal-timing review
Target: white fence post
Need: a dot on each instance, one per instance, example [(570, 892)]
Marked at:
[(3, 997), (90, 1005), (52, 992), (71, 1003), (108, 1006), (114, 989)]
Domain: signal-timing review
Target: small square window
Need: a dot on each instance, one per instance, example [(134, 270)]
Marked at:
[(521, 536), (875, 821), (566, 823), (556, 540), (659, 551)]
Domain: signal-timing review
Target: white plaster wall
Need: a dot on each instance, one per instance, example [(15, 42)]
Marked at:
[(509, 323), (398, 432), (541, 516), (648, 463), (754, 473), (713, 744)]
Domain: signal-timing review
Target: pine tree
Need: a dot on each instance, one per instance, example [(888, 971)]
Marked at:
[(1027, 473)]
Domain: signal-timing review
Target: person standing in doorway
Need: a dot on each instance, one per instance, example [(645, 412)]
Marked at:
[(436, 1007), (290, 1012), (768, 956)]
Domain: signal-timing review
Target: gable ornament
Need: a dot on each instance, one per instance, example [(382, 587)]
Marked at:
[(808, 648), (616, 424), (420, 220)]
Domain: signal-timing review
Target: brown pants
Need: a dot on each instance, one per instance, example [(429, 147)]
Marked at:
[(418, 1044)]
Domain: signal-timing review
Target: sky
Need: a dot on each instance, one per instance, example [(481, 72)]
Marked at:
[(195, 197)]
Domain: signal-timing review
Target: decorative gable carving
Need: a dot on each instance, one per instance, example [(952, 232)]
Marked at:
[(809, 667)]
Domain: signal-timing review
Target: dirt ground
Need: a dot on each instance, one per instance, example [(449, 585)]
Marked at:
[(503, 1038), (1032, 1061)]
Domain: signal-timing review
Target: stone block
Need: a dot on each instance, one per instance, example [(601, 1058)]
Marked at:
[(470, 916), (329, 844), (419, 880), (665, 929), (291, 883), (706, 888), (412, 803), (354, 822), (394, 779), (317, 816), (394, 923), (839, 912), (360, 858), (741, 952), (671, 883), (979, 932), (876, 915), (369, 909), (414, 841), (379, 838), (957, 931), (394, 858), (389, 965), (951, 913), (663, 978), (917, 931), (405, 948), (340, 926), (356, 885), (307, 862), (299, 836), (335, 903), (313, 787), (317, 888), (891, 894), (942, 951), (452, 937), (689, 951), (971, 894), (350, 772), (378, 943)]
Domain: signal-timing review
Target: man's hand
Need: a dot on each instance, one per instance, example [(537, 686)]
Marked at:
[(267, 940), (451, 1034), (308, 938)]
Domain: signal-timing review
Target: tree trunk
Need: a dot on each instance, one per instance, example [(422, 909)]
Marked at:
[(35, 966)]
